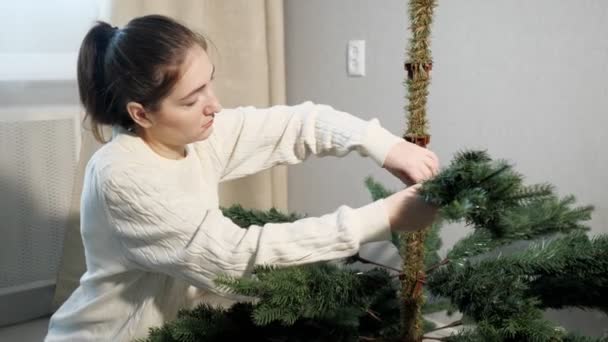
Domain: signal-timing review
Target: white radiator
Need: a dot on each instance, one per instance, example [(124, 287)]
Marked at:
[(38, 155)]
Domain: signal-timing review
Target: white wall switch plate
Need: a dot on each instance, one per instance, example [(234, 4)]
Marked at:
[(355, 58)]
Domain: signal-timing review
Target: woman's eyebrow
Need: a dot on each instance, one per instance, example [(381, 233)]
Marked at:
[(201, 87)]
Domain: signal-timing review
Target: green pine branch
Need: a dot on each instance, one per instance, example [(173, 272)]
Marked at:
[(491, 197), (309, 291), (527, 220), (376, 189), (509, 293), (571, 271), (247, 217)]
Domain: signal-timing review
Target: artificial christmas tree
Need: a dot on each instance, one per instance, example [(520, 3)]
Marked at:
[(501, 297)]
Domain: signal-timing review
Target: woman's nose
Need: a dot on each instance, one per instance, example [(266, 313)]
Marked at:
[(213, 107)]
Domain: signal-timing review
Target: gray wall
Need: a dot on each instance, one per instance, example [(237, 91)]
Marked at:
[(528, 80)]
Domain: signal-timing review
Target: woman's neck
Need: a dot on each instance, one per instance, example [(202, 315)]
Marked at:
[(168, 152), (164, 150)]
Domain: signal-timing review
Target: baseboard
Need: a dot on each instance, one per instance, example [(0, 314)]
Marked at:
[(26, 302)]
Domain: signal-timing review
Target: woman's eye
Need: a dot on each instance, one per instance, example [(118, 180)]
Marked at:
[(191, 104)]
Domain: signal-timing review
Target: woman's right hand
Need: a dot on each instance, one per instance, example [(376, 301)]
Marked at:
[(407, 211)]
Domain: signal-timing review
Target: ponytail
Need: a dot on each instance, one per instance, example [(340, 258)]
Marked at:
[(92, 83)]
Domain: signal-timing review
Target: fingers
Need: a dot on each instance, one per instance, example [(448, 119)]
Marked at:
[(415, 187), (434, 162), (429, 167), (404, 178), (421, 173), (417, 165)]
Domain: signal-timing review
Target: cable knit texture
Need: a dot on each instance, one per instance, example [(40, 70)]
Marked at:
[(155, 238)]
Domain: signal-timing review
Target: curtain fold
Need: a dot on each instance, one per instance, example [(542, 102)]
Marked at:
[(247, 47)]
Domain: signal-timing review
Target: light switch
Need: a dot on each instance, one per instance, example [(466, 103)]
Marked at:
[(355, 58)]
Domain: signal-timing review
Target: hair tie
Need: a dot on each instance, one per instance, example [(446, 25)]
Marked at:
[(115, 31)]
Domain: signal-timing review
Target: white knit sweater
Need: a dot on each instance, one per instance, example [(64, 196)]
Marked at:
[(155, 238)]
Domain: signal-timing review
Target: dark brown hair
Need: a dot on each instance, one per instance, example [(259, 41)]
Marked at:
[(139, 62)]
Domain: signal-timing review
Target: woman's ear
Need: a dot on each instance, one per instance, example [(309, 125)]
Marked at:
[(139, 115)]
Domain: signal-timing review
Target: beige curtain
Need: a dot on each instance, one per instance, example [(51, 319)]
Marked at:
[(247, 48)]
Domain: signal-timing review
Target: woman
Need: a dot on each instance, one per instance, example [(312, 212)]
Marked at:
[(153, 233)]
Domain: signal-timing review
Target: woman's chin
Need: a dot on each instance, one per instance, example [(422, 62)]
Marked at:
[(205, 133)]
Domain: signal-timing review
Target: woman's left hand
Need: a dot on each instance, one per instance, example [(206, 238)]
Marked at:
[(411, 163)]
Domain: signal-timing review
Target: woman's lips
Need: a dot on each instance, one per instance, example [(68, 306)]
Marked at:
[(208, 124)]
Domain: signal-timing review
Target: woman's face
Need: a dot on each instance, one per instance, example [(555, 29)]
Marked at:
[(186, 114)]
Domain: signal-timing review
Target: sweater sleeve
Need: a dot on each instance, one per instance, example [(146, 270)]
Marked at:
[(248, 139), (171, 232)]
